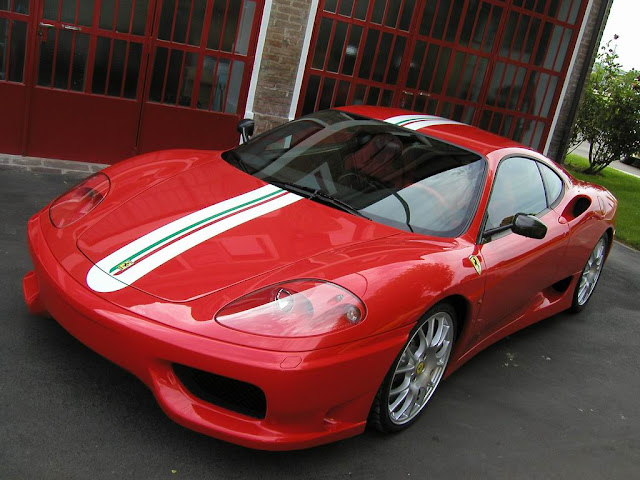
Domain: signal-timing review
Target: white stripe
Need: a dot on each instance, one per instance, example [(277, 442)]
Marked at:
[(155, 236), (430, 123), (99, 280)]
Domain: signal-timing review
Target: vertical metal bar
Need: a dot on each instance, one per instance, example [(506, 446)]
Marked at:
[(214, 81), (73, 50), (131, 15), (173, 23), (112, 42), (186, 35), (8, 49), (329, 45), (125, 66), (223, 26), (93, 40)]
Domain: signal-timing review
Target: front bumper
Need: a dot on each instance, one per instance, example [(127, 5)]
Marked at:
[(312, 397)]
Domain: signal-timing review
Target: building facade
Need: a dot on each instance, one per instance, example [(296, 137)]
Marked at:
[(103, 80)]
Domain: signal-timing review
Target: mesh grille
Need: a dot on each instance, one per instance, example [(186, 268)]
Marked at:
[(222, 391)]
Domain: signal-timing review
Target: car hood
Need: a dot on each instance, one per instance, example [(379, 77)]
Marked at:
[(208, 228)]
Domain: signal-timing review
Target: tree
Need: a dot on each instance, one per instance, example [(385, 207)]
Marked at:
[(609, 113)]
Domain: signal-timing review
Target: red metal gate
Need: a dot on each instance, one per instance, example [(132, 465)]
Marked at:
[(498, 64), (111, 78)]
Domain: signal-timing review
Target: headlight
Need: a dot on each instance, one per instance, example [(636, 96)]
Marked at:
[(298, 308), (80, 200)]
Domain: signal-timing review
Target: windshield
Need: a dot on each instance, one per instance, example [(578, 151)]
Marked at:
[(391, 175)]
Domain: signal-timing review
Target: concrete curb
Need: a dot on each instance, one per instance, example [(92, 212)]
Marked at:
[(47, 165)]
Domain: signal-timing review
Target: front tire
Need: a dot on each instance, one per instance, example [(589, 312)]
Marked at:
[(590, 275), (416, 372)]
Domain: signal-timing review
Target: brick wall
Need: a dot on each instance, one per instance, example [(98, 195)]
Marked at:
[(575, 89), (280, 60)]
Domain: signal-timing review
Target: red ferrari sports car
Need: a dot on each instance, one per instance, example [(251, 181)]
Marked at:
[(320, 277)]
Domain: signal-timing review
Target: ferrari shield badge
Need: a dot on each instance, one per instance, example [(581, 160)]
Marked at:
[(475, 261)]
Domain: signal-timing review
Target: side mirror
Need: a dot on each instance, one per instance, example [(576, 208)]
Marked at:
[(528, 226), (245, 128)]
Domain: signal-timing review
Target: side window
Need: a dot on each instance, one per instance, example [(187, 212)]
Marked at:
[(552, 183), (517, 188)]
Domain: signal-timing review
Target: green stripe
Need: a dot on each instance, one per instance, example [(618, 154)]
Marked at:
[(402, 122), (169, 237)]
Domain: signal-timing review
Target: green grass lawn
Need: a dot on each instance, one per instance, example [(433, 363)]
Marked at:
[(625, 187)]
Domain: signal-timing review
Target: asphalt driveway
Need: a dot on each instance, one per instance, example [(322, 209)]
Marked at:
[(560, 399)]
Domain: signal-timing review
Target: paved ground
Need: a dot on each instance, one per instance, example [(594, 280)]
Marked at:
[(557, 400)]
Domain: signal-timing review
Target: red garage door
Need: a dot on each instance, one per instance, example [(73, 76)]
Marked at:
[(107, 79), (498, 64)]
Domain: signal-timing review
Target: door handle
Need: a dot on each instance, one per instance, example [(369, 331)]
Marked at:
[(46, 25), (71, 27)]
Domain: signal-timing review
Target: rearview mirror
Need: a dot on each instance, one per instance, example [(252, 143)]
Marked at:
[(245, 128), (528, 226)]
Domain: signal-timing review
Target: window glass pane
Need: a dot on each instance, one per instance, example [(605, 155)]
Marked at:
[(221, 85), (181, 21), (233, 16), (140, 17), (63, 59), (20, 6), (383, 56), (378, 11), (234, 87), (327, 93), (330, 5), (50, 11), (100, 65), (393, 10), (215, 24), (552, 183), (188, 78), (173, 77), (124, 16), (342, 94), (322, 44), (517, 189), (107, 12), (157, 79), (367, 53), (68, 11), (133, 70), (351, 51), (335, 55), (345, 7), (79, 68), (197, 19), (45, 63), (407, 14), (116, 73), (4, 4), (85, 13), (16, 58), (361, 9), (166, 19), (206, 82), (310, 96), (396, 60), (4, 26)]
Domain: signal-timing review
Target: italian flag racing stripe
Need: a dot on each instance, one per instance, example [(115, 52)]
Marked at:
[(129, 261), (416, 122), (136, 259)]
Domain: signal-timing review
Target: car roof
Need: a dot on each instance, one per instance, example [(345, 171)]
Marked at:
[(466, 136)]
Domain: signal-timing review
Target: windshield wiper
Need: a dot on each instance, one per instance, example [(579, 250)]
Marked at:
[(238, 161), (317, 194)]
